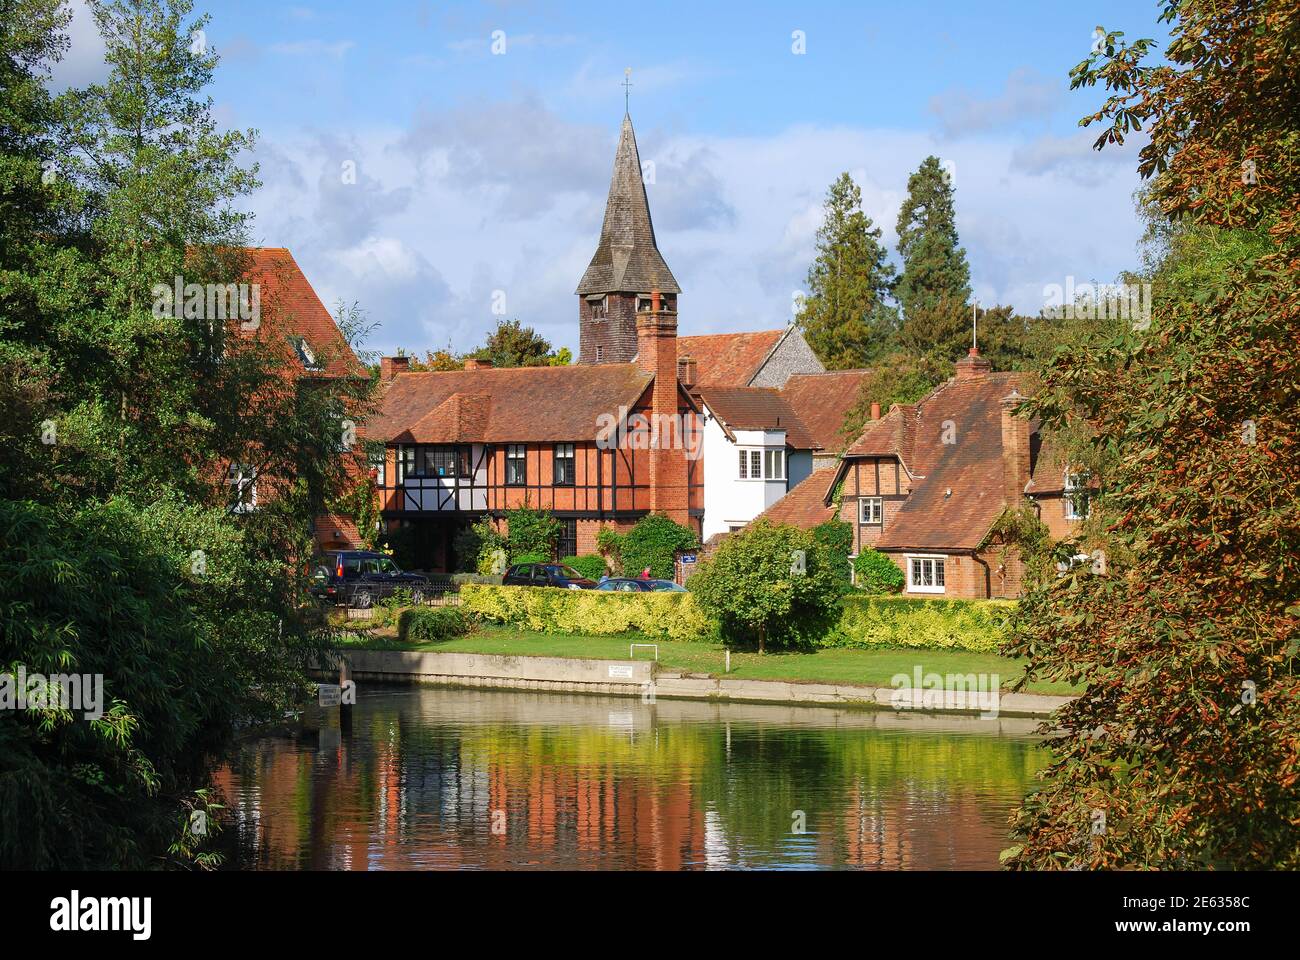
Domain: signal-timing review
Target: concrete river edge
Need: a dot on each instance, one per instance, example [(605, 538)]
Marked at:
[(644, 679)]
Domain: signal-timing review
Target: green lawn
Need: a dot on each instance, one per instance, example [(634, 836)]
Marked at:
[(866, 667)]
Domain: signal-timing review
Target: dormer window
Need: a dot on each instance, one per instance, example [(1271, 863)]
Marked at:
[(306, 356), (1077, 496)]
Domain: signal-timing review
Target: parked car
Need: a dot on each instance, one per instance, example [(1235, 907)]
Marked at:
[(358, 578), (639, 585), (546, 575)]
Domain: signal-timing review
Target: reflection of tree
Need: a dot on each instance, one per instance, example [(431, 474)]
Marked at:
[(413, 790)]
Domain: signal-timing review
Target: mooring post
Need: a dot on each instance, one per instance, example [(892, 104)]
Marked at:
[(728, 651)]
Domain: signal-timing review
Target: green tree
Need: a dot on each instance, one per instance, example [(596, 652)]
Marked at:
[(935, 270), (771, 582), (845, 316), (511, 344), (531, 532), (1186, 738)]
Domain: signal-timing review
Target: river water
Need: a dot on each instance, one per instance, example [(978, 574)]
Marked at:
[(430, 778)]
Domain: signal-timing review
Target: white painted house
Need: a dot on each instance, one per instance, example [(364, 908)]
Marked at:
[(755, 447)]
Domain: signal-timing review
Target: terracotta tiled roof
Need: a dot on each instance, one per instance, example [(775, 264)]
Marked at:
[(970, 412), (757, 408), (729, 359), (291, 307), (499, 405), (805, 505), (627, 259), (822, 400)]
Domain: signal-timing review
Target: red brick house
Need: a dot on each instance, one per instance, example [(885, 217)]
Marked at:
[(926, 483), (311, 351)]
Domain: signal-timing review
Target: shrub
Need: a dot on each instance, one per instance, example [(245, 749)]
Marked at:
[(751, 587), (837, 537), (590, 565), (531, 532), (476, 545), (655, 542), (609, 544), (530, 558), (671, 616), (460, 579), (432, 624), (876, 573), (933, 622)]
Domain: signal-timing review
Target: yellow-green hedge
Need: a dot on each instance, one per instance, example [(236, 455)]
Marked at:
[(673, 616), (894, 621)]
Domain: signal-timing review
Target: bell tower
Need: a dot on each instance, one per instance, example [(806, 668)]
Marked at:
[(626, 268)]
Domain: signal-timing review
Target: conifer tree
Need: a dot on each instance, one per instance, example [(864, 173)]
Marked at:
[(845, 316), (934, 265)]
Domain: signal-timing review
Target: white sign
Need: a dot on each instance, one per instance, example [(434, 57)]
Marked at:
[(328, 694), (621, 671)]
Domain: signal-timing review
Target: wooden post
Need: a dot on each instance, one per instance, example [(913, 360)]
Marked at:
[(728, 670)]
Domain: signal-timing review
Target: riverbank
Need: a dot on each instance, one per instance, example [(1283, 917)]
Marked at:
[(938, 681)]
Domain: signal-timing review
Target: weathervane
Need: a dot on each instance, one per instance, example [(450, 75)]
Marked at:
[(627, 88)]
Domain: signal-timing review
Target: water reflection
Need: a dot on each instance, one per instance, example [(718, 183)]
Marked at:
[(431, 778)]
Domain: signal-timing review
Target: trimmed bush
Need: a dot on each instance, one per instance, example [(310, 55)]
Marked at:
[(655, 542), (837, 537), (936, 623), (672, 616), (590, 565), (432, 624), (529, 558), (877, 573)]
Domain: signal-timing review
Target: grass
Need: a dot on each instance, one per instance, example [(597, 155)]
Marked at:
[(835, 665)]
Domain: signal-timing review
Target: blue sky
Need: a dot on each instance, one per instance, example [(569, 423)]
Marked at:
[(482, 173)]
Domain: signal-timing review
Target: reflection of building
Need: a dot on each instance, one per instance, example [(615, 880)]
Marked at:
[(564, 788)]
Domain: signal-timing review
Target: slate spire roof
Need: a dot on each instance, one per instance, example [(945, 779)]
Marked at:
[(627, 259)]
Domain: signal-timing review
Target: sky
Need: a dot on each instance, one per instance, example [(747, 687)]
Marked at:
[(434, 162)]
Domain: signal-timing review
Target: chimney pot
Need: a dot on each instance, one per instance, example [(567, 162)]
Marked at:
[(687, 370), (875, 411), (473, 363), (656, 299)]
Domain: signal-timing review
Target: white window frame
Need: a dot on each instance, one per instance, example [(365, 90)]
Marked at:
[(1076, 483), (380, 466), (774, 458), (938, 570), (243, 481), (753, 463), (864, 518)]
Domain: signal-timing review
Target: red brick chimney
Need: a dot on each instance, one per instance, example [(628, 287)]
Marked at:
[(656, 353), (473, 364), (1015, 451), (972, 366), (390, 367)]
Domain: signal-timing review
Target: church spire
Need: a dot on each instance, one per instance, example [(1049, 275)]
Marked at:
[(627, 259)]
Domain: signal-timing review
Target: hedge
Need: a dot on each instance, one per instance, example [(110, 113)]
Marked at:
[(893, 621), (432, 624), (590, 565), (672, 616)]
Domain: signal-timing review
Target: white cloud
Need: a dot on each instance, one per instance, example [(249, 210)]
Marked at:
[(313, 48), (1027, 95), (83, 62)]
